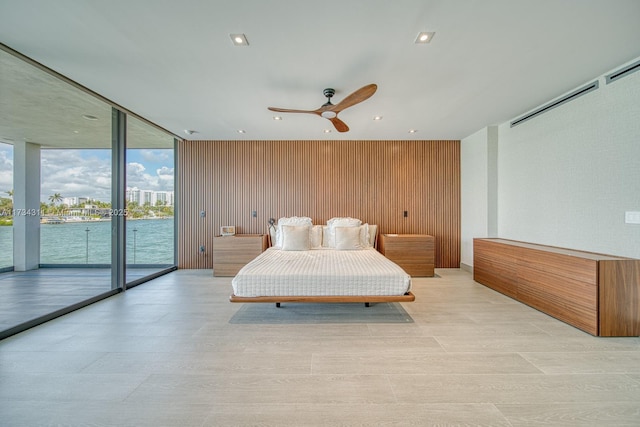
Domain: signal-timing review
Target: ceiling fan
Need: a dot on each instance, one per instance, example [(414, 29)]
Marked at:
[(330, 111)]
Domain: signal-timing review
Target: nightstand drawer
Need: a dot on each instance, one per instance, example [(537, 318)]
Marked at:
[(231, 253), (415, 253)]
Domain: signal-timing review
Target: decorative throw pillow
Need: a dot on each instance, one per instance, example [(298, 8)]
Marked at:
[(335, 222), (348, 238), (293, 220), (295, 238)]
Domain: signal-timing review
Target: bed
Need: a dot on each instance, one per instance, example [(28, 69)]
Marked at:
[(336, 262)]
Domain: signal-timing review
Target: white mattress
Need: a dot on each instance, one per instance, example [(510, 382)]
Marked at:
[(320, 272)]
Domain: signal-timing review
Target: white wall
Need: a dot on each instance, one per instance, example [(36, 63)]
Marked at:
[(564, 178), (476, 156)]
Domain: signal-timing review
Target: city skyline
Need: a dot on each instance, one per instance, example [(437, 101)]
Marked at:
[(133, 194)]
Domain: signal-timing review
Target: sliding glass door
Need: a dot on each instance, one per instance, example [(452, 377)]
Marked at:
[(6, 206), (150, 201), (69, 228)]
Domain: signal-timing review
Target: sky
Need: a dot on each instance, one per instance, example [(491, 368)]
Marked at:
[(87, 173)]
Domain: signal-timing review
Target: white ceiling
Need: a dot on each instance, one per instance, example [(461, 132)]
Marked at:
[(173, 63)]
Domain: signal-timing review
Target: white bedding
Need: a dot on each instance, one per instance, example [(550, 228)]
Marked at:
[(320, 272)]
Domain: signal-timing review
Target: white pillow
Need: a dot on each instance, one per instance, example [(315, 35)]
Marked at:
[(373, 233), (364, 236), (344, 222), (315, 237), (295, 238), (325, 236), (294, 220), (348, 238), (330, 236)]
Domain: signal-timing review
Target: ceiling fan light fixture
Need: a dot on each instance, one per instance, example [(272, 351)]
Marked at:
[(424, 37), (239, 39), (330, 111)]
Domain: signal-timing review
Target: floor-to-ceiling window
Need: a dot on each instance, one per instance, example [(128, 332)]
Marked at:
[(60, 160), (75, 195), (150, 200), (6, 206)]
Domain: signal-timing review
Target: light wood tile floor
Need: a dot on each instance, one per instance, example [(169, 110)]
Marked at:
[(166, 354)]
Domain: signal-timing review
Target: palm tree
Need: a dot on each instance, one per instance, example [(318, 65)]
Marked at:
[(10, 193), (55, 198)]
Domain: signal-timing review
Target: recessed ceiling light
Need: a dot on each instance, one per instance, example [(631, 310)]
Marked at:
[(327, 131), (413, 130), (424, 37), (239, 39), (277, 118), (377, 118), (89, 117), (190, 131), (241, 131)]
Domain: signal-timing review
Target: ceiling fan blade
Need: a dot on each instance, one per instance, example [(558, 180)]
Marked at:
[(287, 110), (356, 97), (339, 124)]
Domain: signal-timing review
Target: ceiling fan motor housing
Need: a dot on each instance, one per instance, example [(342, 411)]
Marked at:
[(329, 92)]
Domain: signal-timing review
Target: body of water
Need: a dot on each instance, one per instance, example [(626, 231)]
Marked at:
[(149, 241)]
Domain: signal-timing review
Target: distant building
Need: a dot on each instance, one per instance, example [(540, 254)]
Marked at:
[(163, 198), (74, 201), (141, 197)]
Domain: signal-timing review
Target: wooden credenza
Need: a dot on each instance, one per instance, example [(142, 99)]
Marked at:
[(415, 253), (597, 293), (231, 253)]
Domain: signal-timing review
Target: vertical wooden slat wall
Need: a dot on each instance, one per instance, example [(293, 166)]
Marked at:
[(375, 181)]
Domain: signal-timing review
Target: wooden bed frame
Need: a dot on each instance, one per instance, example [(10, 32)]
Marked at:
[(408, 297), (366, 299)]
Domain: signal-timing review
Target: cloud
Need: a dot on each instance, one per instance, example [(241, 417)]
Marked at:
[(137, 176), (134, 168), (76, 173), (87, 173), (6, 170), (166, 174), (156, 156)]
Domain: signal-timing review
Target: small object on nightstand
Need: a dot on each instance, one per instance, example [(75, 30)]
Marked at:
[(228, 230)]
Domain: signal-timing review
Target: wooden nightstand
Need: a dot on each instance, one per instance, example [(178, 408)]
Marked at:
[(231, 253), (415, 253)]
